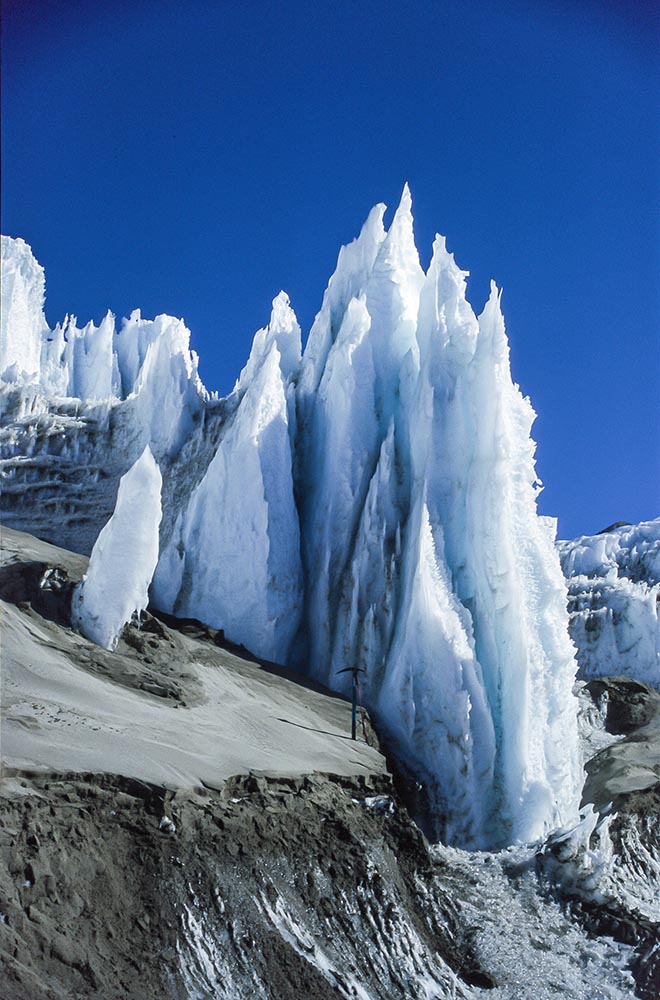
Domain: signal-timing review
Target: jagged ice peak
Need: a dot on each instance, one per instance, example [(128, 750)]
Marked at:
[(368, 502)]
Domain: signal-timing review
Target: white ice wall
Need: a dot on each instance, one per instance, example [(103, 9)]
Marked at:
[(425, 560), (614, 599), (146, 363), (91, 363)]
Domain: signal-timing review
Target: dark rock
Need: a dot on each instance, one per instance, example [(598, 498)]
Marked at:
[(631, 704)]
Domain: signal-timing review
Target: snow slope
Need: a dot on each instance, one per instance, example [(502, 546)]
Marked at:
[(372, 503)]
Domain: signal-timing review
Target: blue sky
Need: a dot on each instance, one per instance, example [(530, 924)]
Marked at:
[(194, 158)]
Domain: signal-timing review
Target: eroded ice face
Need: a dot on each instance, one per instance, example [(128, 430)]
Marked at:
[(614, 594), (372, 503)]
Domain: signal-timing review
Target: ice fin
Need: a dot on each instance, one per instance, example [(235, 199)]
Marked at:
[(123, 559), (355, 264), (239, 533), (22, 317), (283, 330), (399, 248)]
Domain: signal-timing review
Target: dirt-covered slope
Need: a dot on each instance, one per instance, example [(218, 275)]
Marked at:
[(173, 706), (270, 888), (180, 821)]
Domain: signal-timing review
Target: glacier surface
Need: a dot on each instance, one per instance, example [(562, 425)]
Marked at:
[(370, 502)]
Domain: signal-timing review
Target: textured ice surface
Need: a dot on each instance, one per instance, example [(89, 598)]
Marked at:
[(523, 936), (425, 560), (123, 559), (146, 358), (233, 557), (78, 406), (372, 504), (24, 332), (614, 594)]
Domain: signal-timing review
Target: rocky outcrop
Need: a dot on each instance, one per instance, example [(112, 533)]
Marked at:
[(315, 886)]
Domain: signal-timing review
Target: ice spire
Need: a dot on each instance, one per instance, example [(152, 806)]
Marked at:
[(354, 264), (233, 559), (399, 248), (89, 360), (24, 326), (346, 421), (418, 496), (123, 559), (283, 330)]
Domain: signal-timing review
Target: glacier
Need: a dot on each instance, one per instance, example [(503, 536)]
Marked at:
[(368, 501), (614, 600)]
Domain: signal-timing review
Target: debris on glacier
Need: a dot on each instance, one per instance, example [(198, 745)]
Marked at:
[(167, 825), (580, 857), (623, 777), (124, 557), (280, 882), (614, 596), (592, 720)]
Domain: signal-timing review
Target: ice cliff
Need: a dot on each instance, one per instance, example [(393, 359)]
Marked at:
[(233, 556), (79, 406), (372, 502), (614, 597)]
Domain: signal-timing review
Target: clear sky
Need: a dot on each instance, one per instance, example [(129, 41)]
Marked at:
[(194, 158)]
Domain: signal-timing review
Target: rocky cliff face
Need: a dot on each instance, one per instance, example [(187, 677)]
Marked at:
[(283, 888), (290, 887)]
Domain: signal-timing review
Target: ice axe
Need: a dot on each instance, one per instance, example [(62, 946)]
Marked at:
[(356, 694)]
